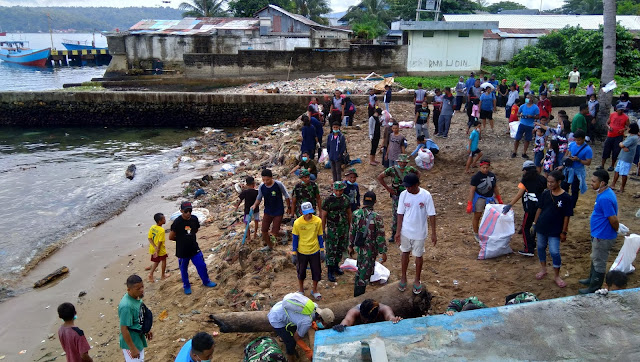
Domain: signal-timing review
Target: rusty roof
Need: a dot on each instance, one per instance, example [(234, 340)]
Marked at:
[(193, 25)]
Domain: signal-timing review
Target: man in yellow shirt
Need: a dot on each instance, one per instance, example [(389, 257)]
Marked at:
[(157, 246), (308, 248)]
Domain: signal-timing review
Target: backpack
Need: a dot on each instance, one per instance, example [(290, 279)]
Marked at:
[(263, 349), (146, 320)]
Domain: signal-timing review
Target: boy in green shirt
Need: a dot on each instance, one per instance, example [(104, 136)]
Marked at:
[(132, 340), (579, 121)]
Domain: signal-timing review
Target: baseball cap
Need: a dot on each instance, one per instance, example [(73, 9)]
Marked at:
[(326, 314), (351, 171), (369, 198), (186, 205), (410, 180), (528, 164), (619, 106), (306, 208)]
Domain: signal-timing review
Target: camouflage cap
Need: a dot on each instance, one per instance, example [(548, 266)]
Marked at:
[(351, 171), (403, 157), (339, 185), (304, 172)]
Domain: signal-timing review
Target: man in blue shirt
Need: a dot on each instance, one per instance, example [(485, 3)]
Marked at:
[(528, 113), (604, 230), (470, 81), (198, 349), (575, 175)]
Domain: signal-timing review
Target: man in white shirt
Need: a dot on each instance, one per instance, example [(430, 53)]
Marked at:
[(415, 208), (574, 79)]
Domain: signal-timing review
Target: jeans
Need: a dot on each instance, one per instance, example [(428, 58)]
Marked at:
[(444, 122), (201, 267), (436, 117), (600, 253), (507, 112), (312, 177), (386, 106), (554, 249), (336, 170), (422, 129)]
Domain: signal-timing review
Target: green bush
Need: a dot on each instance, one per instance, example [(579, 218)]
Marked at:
[(532, 57)]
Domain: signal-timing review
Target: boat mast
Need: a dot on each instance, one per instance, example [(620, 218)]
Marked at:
[(50, 31)]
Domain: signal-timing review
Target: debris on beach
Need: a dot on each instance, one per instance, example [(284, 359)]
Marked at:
[(51, 277), (130, 173)]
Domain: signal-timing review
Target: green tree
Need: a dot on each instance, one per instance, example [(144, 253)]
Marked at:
[(628, 7), (368, 27), (248, 8), (203, 9), (504, 5), (370, 9), (406, 9), (311, 9), (582, 7)]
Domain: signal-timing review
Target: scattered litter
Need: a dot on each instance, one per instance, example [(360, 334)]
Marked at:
[(455, 282), (23, 351), (163, 315), (106, 278)]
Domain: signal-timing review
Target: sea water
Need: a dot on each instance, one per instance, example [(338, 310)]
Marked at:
[(15, 77), (57, 182)]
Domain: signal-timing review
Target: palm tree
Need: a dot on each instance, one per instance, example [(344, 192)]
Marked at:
[(203, 9), (370, 8), (311, 9), (608, 59)]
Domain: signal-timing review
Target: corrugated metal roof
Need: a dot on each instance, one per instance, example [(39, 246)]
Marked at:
[(302, 19), (510, 21), (193, 25)]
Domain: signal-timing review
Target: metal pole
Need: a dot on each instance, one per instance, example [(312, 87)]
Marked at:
[(50, 31)]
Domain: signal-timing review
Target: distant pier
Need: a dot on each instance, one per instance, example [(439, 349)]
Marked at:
[(84, 57)]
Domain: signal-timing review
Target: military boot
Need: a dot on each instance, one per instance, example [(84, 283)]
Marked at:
[(330, 276), (588, 280), (358, 290), (596, 283)]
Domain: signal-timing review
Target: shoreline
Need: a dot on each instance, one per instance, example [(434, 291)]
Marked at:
[(87, 257)]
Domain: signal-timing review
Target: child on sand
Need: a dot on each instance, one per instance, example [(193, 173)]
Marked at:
[(157, 246), (538, 148), (73, 341), (474, 151), (249, 196)]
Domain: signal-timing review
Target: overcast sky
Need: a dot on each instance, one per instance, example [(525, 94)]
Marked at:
[(336, 5)]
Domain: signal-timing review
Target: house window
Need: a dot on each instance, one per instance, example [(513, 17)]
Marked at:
[(463, 34), (428, 34), (201, 44)]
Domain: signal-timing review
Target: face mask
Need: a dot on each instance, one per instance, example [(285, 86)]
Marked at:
[(305, 159), (349, 182), (75, 317), (320, 325), (526, 100), (336, 130), (390, 123)]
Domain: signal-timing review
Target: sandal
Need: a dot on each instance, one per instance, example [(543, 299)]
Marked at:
[(317, 295), (541, 275), (561, 283), (402, 286), (418, 289)]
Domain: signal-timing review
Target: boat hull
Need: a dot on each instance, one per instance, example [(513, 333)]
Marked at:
[(79, 47), (36, 58)]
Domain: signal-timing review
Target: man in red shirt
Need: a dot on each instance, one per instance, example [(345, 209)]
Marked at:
[(618, 122), (72, 339), (545, 106)]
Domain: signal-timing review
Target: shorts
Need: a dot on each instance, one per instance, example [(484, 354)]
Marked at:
[(256, 217), (274, 221), (473, 153), (538, 157), (527, 131), (486, 114), (313, 260), (573, 85), (479, 203), (159, 258), (623, 168), (128, 358), (416, 247), (611, 147)]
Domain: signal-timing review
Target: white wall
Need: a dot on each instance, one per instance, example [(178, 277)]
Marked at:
[(502, 50), (444, 52)]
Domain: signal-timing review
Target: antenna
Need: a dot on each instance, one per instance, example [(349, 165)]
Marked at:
[(430, 6)]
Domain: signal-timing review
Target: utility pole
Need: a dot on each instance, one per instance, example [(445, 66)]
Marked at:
[(430, 6)]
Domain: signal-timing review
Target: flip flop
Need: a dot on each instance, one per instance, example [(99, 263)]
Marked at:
[(541, 275), (561, 283), (317, 295), (167, 275), (418, 289), (402, 286)]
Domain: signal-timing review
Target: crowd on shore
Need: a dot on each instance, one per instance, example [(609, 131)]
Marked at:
[(346, 222)]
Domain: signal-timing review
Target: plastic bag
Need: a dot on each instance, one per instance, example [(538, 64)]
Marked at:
[(425, 159), (324, 156), (627, 254), (513, 128), (495, 232), (386, 116), (407, 124), (380, 272)]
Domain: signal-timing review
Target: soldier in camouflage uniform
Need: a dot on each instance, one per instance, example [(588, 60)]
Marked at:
[(459, 305), (373, 245), (305, 190), (336, 219), (397, 173)]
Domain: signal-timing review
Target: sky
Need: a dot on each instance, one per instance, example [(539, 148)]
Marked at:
[(336, 5)]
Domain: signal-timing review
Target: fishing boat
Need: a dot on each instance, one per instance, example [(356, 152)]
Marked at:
[(18, 51), (79, 44), (3, 33)]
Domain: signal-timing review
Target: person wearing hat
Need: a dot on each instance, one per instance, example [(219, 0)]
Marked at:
[(336, 218), (352, 189), (366, 238), (305, 191), (308, 248), (293, 317), (183, 232), (483, 190), (397, 173), (617, 124), (530, 190), (551, 224), (369, 311), (415, 212)]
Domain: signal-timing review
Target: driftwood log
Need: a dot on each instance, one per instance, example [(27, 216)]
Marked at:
[(404, 304), (51, 277)]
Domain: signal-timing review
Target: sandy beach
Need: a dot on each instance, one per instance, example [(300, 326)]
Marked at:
[(102, 258)]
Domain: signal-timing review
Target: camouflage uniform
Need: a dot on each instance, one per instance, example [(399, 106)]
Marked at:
[(336, 241), (396, 184), (303, 193), (456, 305), (374, 244)]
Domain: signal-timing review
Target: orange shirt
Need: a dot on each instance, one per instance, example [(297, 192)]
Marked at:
[(514, 113), (617, 122)]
